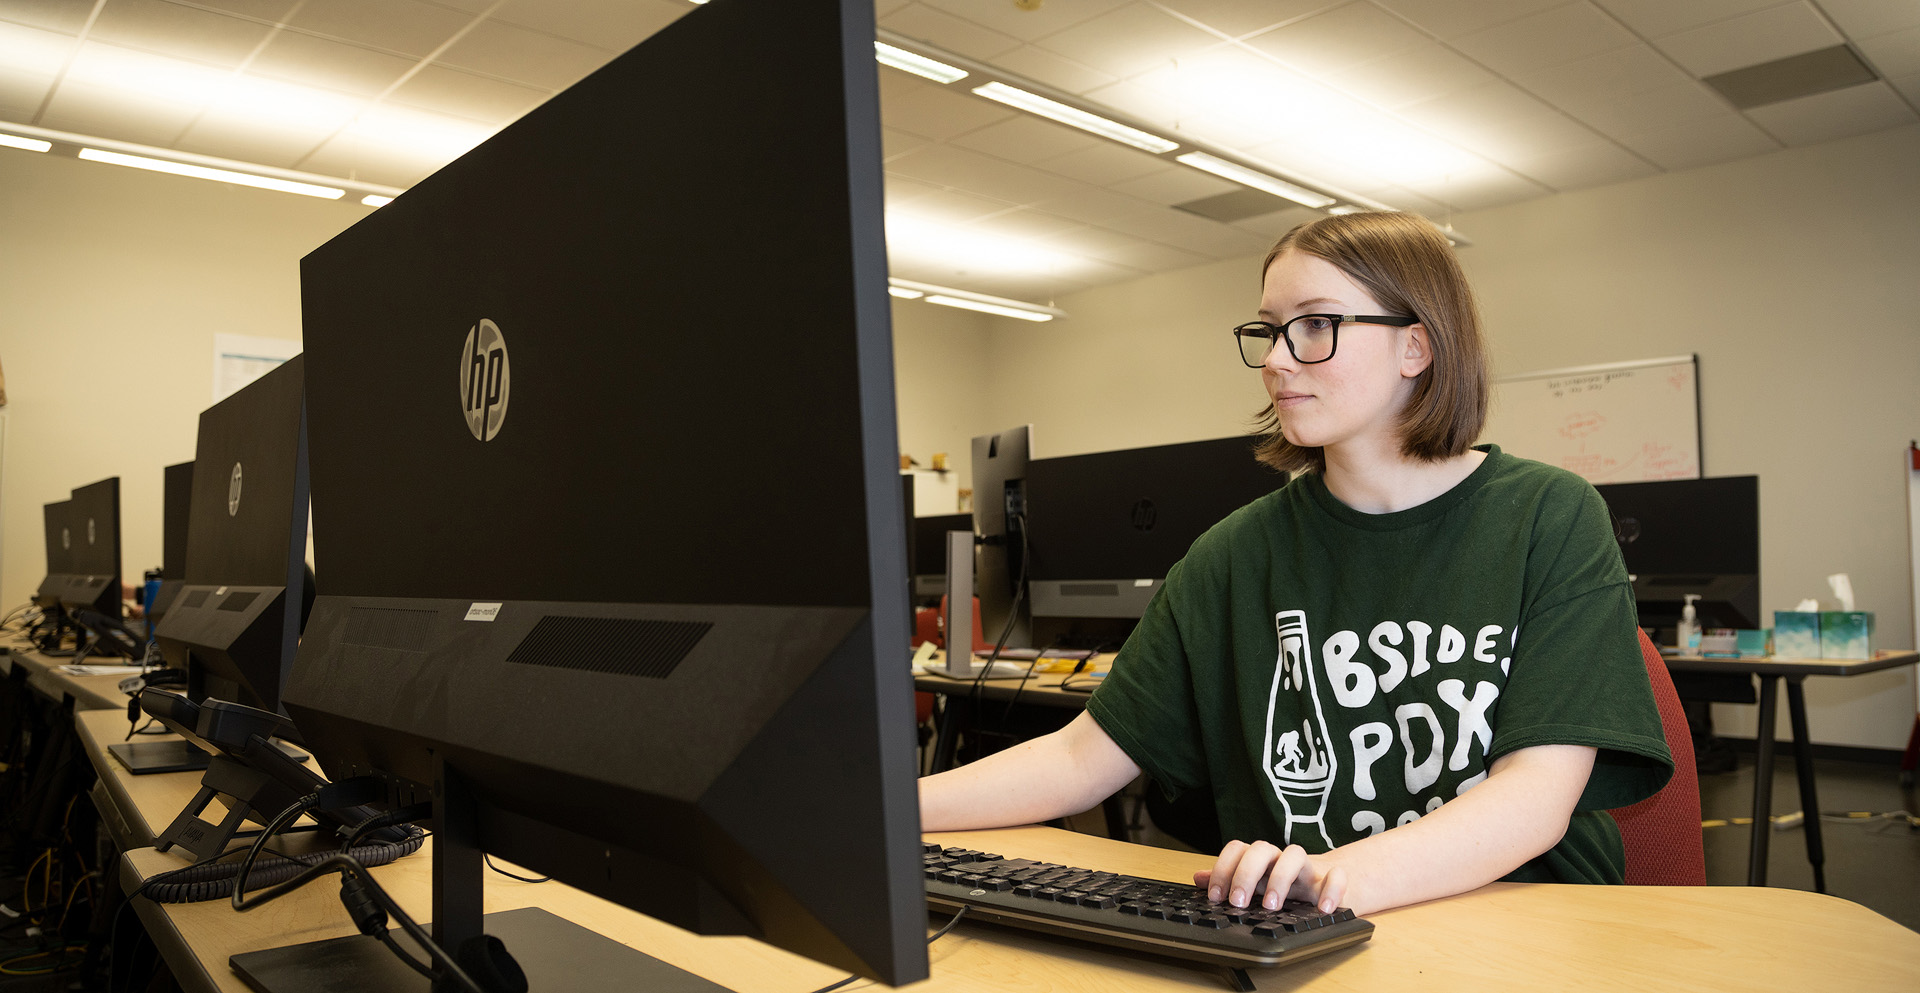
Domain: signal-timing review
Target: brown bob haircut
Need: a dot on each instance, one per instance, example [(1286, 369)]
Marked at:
[(1407, 265)]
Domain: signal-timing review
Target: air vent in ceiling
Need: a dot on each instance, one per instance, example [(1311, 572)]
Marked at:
[(1794, 76), (1237, 205)]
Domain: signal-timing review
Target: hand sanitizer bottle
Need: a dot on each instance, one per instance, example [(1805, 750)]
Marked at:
[(1686, 634)]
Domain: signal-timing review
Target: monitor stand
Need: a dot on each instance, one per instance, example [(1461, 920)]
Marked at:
[(146, 757), (956, 610), (555, 954)]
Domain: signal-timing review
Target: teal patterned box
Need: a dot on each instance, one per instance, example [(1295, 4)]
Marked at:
[(1796, 634), (1846, 634)]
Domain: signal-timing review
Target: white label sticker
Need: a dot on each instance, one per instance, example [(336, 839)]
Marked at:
[(1141, 583), (483, 612)]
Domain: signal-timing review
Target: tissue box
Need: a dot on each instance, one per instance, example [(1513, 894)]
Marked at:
[(1846, 634), (1796, 634), (1752, 644), (1720, 643)]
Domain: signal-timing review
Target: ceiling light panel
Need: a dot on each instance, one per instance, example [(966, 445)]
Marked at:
[(205, 172), (1054, 110), (919, 65), (1254, 178), (28, 144), (33, 52)]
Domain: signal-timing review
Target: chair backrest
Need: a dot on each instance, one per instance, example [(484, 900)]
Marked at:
[(1662, 832)]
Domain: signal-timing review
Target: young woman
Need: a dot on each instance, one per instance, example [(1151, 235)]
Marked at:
[(1411, 671)]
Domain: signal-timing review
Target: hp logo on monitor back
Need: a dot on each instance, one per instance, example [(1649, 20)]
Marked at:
[(90, 531), (66, 538), (233, 491), (484, 380), (1144, 515)]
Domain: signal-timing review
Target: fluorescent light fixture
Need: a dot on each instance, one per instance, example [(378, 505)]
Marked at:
[(30, 144), (947, 296), (376, 200), (1346, 208), (203, 172), (919, 65), (987, 308), (1054, 110), (1258, 180)]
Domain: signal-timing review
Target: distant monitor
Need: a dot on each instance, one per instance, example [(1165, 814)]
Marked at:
[(93, 523), (175, 512), (59, 555), (930, 552), (1684, 536), (235, 621), (535, 611), (999, 480), (1103, 529)]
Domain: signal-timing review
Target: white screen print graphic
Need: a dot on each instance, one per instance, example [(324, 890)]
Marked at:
[(1299, 763)]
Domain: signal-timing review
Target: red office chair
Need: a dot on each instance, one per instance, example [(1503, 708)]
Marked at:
[(1662, 832)]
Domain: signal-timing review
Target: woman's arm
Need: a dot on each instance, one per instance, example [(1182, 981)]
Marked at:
[(1520, 811), (1062, 773)]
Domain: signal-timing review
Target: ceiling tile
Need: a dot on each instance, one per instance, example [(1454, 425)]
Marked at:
[(1839, 114), (1475, 189), (270, 11), (1625, 91), (1238, 17), (615, 26), (1420, 73), (1271, 226), (882, 8), (901, 191), (181, 32), (934, 112), (462, 94), (354, 157), (1552, 37), (1104, 164), (958, 168), (1697, 143), (1895, 54), (1129, 40), (1654, 18), (335, 65), (1175, 185), (1027, 24), (1907, 86), (1595, 164), (955, 34), (894, 141), (408, 27), (21, 94), (1024, 138), (1453, 18), (1866, 18), (1498, 121), (111, 111), (1335, 41), (1027, 222), (1043, 66), (245, 139), (952, 207), (507, 51), (1751, 39), (1149, 103), (1197, 234), (33, 51), (63, 16)]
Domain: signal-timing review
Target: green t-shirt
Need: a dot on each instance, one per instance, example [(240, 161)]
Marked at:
[(1328, 674)]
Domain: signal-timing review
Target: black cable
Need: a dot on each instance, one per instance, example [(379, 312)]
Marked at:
[(1006, 630), (525, 879), (1007, 714), (935, 936)]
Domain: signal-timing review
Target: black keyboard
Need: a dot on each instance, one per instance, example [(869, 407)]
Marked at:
[(1151, 915)]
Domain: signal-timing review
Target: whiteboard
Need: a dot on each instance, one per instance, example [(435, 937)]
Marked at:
[(1618, 423)]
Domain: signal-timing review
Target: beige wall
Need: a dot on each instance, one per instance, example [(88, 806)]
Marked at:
[(113, 283), (1795, 277)]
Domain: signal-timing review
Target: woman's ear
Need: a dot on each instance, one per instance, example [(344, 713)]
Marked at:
[(1418, 351)]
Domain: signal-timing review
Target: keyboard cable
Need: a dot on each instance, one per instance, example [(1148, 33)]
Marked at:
[(935, 936)]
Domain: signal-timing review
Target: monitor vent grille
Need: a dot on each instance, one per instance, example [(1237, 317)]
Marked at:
[(240, 600), (621, 646), (197, 598), (1089, 589), (387, 627)]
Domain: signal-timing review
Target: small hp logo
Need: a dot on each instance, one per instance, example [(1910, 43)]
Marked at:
[(66, 538), (233, 491), (1626, 530), (485, 380), (1143, 515), (90, 531)]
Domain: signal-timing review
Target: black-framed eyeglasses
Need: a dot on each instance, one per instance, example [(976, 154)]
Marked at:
[(1310, 337)]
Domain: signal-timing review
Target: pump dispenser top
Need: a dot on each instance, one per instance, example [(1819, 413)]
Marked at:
[(1687, 633)]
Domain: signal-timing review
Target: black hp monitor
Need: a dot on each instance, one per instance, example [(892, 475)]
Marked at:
[(175, 514), (999, 511), (535, 613), (1103, 529), (92, 595), (59, 555), (1682, 536)]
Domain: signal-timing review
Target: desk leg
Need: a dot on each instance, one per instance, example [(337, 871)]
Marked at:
[(954, 709), (1763, 781), (1803, 769)]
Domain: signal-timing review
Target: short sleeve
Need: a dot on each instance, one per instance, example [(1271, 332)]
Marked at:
[(1578, 677), (1146, 703)]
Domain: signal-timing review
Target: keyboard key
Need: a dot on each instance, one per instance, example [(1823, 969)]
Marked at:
[(1214, 921), (1099, 901)]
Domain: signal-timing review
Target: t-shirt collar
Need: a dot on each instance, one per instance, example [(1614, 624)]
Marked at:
[(1316, 486)]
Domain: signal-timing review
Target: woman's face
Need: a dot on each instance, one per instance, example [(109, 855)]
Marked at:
[(1355, 396)]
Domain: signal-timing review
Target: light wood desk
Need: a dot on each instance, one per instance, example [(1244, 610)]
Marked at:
[(135, 809), (1502, 937), (87, 692), (1794, 672), (961, 694)]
